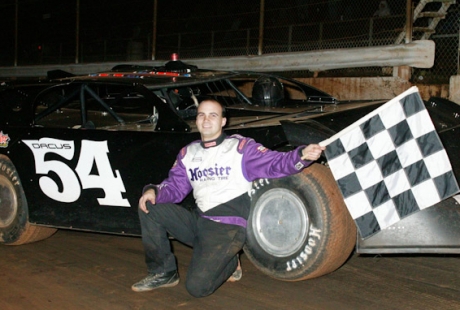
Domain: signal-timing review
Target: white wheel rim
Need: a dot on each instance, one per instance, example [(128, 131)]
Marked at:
[(8, 202), (280, 222)]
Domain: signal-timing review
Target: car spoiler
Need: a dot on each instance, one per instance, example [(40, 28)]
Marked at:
[(58, 74), (307, 132)]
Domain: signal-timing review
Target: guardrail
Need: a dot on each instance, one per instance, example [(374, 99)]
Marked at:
[(419, 54)]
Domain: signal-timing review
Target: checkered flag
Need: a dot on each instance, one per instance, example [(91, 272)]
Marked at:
[(390, 164)]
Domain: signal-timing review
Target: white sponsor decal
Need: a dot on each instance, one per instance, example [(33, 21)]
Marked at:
[(92, 153)]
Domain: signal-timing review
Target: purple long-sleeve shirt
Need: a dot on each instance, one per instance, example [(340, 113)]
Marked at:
[(221, 170)]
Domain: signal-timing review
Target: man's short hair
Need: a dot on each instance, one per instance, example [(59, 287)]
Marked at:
[(224, 110)]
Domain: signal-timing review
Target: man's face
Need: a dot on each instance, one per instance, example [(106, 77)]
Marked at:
[(209, 120)]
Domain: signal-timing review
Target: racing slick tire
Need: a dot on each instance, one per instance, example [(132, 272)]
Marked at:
[(15, 228), (299, 226)]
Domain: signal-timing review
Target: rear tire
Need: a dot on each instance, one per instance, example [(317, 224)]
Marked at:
[(299, 226), (15, 228)]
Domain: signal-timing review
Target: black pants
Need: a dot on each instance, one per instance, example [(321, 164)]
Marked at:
[(215, 245)]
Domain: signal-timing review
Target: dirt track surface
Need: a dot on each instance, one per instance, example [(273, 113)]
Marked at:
[(74, 270)]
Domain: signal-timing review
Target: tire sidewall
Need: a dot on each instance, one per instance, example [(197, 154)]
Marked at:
[(301, 261), (15, 229)]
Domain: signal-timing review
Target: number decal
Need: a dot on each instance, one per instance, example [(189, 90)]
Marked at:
[(96, 151), (70, 186), (92, 153)]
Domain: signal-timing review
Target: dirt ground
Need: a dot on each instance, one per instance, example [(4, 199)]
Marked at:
[(75, 270)]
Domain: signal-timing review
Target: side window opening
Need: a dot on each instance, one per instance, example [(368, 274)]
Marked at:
[(82, 106)]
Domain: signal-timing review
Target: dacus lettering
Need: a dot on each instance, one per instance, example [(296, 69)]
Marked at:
[(197, 174), (50, 146)]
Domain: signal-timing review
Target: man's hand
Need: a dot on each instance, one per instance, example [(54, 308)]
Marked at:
[(312, 152), (149, 195)]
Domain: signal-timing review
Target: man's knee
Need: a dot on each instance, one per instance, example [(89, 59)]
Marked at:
[(154, 218), (155, 211), (199, 287)]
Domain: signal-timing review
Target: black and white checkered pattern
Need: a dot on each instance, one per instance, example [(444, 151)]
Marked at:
[(390, 164)]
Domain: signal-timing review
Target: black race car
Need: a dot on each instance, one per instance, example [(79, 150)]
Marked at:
[(76, 151)]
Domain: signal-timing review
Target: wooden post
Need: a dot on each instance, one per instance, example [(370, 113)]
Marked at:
[(16, 34), (154, 29), (261, 27), (77, 32)]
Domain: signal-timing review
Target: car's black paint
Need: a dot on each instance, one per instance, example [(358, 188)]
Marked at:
[(152, 119)]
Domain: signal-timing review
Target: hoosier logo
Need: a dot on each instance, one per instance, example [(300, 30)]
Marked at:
[(196, 174)]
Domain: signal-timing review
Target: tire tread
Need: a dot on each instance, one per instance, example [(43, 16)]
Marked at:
[(342, 232), (33, 233)]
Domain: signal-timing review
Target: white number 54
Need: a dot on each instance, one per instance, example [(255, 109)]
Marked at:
[(92, 152)]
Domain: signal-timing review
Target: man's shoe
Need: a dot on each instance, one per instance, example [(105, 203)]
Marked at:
[(236, 276), (238, 273), (156, 280)]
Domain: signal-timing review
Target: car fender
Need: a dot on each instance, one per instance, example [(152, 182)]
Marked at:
[(305, 133)]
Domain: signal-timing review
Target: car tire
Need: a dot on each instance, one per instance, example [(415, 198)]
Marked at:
[(299, 227), (15, 228)]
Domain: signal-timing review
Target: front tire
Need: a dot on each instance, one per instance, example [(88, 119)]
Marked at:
[(299, 227), (15, 228)]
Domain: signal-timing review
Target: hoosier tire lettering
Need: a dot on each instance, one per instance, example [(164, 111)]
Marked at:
[(299, 227), (315, 234)]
